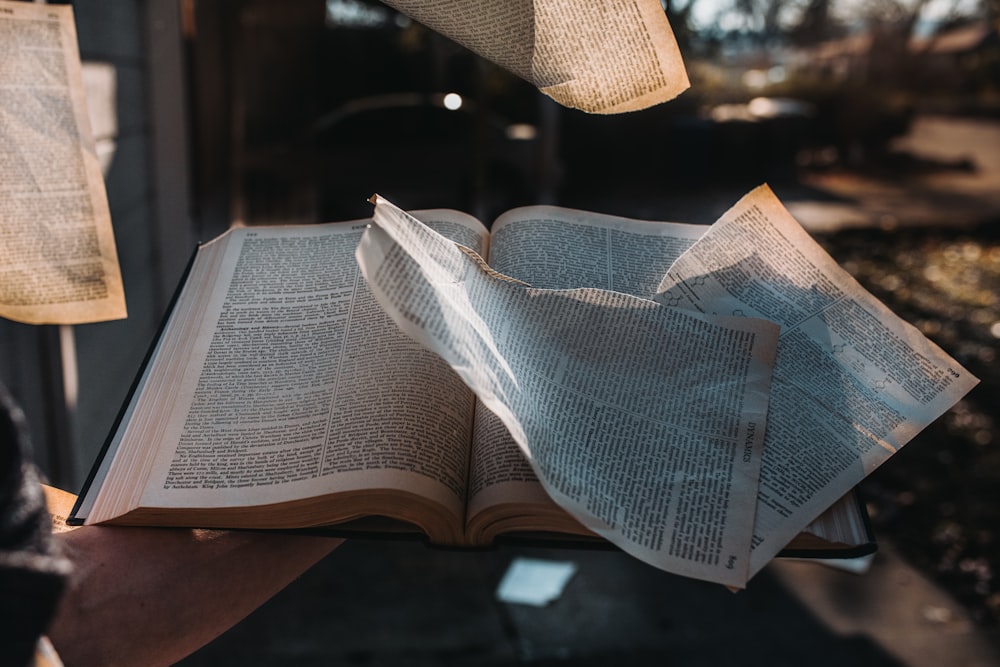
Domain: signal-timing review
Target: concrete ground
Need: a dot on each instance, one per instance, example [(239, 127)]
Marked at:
[(384, 603)]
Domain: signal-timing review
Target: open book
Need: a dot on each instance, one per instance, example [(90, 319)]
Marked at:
[(279, 394)]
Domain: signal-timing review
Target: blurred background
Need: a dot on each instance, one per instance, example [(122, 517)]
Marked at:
[(877, 122)]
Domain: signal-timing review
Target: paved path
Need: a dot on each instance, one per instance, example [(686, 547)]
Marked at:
[(895, 607), (953, 179)]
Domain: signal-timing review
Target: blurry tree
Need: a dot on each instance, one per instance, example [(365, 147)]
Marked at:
[(679, 14), (763, 18), (892, 24), (816, 23)]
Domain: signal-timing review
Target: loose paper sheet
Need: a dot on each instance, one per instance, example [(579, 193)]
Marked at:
[(642, 421), (852, 383), (601, 56), (59, 263)]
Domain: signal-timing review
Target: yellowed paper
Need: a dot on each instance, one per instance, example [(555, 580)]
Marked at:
[(601, 56), (58, 262), (59, 504)]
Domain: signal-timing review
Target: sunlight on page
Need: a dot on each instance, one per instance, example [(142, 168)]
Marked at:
[(644, 423), (853, 382)]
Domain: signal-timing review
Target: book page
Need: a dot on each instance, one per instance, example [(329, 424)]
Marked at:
[(603, 56), (558, 248), (643, 422), (281, 378), (60, 265), (852, 383), (550, 247)]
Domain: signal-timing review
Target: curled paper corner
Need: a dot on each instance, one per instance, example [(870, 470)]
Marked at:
[(534, 582)]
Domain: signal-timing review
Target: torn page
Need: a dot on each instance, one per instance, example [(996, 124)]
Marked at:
[(604, 56), (643, 422), (60, 265), (852, 383)]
